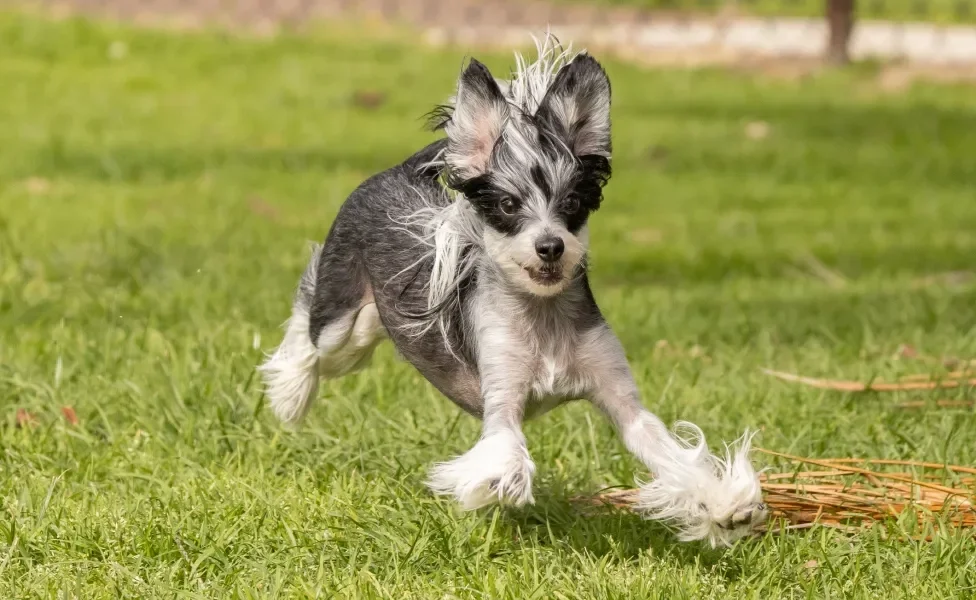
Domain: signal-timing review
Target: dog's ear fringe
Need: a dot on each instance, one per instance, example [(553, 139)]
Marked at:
[(577, 106), (438, 118)]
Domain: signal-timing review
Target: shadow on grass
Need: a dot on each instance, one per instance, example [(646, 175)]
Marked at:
[(558, 521)]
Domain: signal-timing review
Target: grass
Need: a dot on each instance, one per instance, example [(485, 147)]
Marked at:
[(156, 194)]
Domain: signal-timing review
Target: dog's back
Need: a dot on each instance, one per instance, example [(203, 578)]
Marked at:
[(370, 280)]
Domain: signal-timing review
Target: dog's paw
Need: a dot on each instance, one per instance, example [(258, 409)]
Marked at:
[(497, 469), (719, 512), (747, 517), (713, 499)]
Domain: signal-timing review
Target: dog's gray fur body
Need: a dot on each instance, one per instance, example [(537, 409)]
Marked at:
[(367, 258)]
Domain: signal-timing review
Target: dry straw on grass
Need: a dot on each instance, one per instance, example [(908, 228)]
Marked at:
[(850, 494), (876, 386), (962, 375), (964, 379)]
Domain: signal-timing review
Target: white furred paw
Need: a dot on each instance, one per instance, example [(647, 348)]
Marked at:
[(497, 469), (708, 498)]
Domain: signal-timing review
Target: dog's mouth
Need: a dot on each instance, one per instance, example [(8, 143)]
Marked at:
[(546, 274)]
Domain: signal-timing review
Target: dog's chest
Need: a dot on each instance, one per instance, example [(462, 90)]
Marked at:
[(554, 375), (541, 346), (555, 368)]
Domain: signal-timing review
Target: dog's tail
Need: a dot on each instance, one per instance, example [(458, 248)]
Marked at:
[(291, 374)]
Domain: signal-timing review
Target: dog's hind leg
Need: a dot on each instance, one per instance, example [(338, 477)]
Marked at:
[(291, 374), (333, 330), (346, 345)]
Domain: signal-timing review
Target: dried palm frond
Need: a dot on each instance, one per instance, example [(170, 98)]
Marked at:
[(874, 386), (852, 493), (937, 403), (943, 376)]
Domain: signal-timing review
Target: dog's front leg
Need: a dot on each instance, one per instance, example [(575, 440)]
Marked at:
[(498, 467), (703, 496)]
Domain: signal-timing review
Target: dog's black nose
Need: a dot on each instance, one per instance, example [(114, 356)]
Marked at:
[(550, 248)]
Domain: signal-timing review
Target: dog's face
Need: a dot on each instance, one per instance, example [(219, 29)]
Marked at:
[(533, 171)]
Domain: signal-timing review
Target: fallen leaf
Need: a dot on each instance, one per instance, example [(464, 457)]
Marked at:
[(262, 208), (25, 418), (656, 154), (907, 351), (369, 99), (69, 415)]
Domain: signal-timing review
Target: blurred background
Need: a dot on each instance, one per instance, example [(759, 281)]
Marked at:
[(932, 31)]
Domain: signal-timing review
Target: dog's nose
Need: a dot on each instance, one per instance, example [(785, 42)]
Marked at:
[(550, 248)]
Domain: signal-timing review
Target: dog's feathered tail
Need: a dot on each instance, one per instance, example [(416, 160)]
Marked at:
[(291, 374)]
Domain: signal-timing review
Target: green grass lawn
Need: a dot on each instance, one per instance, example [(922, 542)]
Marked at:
[(156, 195)]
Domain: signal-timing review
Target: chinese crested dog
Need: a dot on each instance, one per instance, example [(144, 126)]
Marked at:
[(471, 257)]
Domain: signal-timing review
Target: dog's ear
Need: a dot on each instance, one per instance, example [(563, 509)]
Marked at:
[(577, 107), (476, 123)]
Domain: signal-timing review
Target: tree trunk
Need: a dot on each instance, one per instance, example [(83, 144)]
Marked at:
[(840, 24)]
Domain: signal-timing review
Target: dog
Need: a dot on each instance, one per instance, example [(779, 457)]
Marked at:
[(471, 256)]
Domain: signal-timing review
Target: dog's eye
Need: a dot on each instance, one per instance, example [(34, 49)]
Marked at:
[(508, 206), (572, 204)]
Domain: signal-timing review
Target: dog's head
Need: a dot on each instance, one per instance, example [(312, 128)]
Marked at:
[(532, 160)]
